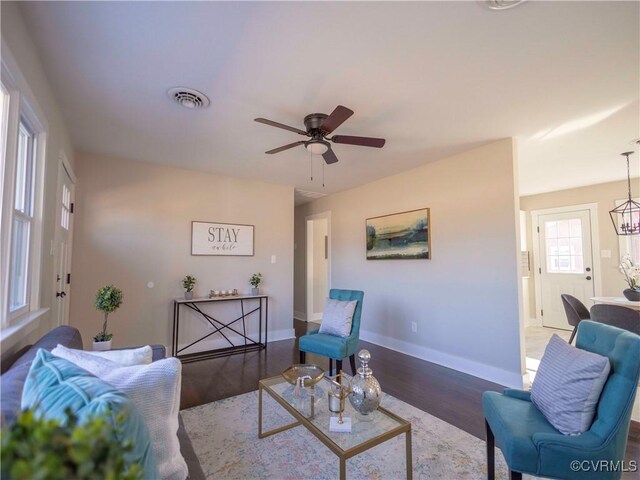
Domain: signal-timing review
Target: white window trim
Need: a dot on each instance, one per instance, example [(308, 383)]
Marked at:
[(21, 104)]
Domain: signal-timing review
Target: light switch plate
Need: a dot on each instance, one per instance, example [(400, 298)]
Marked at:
[(273, 259)]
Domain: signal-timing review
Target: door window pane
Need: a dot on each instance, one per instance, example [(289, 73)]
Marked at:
[(564, 246)]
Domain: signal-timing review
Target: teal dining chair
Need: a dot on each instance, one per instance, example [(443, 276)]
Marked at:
[(531, 445), (336, 348)]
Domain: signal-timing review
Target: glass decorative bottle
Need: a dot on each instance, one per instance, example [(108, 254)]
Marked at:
[(365, 389)]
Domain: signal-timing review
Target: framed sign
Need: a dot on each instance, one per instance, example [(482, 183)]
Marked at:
[(405, 235), (221, 239)]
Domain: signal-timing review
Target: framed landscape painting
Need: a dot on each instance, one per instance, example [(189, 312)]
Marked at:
[(405, 235)]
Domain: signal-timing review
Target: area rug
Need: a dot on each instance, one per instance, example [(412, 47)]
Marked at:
[(225, 438)]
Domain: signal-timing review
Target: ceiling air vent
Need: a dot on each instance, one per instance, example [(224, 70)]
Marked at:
[(188, 97)]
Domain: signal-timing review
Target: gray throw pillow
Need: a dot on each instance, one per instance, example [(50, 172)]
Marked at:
[(337, 317), (568, 384)]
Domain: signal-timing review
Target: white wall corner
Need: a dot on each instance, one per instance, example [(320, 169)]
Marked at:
[(300, 315)]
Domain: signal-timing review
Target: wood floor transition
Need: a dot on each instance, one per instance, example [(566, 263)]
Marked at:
[(450, 395)]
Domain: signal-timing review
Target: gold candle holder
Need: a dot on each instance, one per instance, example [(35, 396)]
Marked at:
[(337, 395)]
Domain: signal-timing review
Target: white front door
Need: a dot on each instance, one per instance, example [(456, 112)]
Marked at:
[(565, 264), (62, 244)]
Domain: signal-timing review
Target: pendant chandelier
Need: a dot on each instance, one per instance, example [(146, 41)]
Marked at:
[(626, 217)]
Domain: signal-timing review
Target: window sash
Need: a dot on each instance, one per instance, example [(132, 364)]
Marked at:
[(19, 279)]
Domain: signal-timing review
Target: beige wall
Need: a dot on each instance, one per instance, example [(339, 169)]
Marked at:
[(464, 300), (133, 226), (16, 40), (604, 195)]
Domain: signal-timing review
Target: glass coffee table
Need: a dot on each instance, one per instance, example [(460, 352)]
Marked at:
[(311, 410)]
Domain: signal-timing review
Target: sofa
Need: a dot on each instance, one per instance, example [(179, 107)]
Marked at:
[(16, 369)]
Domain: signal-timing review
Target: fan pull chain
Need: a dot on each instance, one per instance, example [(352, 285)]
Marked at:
[(323, 174), (311, 164)]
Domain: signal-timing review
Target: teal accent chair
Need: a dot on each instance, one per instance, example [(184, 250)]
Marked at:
[(336, 348), (532, 445)]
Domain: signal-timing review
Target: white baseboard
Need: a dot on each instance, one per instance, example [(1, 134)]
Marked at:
[(300, 315), (212, 344), (487, 372)]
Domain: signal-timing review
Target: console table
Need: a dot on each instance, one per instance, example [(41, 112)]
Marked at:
[(236, 326)]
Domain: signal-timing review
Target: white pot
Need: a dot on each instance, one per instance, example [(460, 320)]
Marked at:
[(255, 291), (101, 346)]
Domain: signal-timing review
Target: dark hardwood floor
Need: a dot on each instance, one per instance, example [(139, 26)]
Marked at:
[(450, 395)]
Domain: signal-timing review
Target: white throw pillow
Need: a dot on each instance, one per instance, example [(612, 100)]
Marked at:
[(155, 390), (337, 317), (124, 358)]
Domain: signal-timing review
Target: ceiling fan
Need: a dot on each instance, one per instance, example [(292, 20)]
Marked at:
[(318, 128)]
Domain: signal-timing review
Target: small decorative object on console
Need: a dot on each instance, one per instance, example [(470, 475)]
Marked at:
[(365, 389), (255, 281), (188, 283)]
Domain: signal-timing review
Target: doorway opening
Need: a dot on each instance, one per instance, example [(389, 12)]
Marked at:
[(318, 265), (63, 237), (565, 261)]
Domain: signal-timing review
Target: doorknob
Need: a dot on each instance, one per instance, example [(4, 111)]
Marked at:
[(588, 269), (588, 278), (61, 294)]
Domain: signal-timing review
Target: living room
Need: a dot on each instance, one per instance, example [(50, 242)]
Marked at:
[(486, 112)]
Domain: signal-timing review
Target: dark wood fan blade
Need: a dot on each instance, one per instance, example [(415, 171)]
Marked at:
[(285, 147), (329, 157), (362, 141), (337, 118), (280, 125)]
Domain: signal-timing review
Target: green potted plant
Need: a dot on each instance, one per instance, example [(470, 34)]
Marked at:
[(108, 299), (188, 283), (255, 281), (34, 447)]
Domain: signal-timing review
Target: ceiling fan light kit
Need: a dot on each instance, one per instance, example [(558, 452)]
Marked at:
[(317, 147)]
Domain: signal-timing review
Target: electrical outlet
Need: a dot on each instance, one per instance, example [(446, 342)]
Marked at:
[(414, 327)]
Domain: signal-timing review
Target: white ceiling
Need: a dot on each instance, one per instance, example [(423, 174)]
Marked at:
[(433, 78)]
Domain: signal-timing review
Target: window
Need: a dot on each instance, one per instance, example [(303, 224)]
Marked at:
[(22, 183), (564, 246), (22, 219), (629, 243), (66, 207)]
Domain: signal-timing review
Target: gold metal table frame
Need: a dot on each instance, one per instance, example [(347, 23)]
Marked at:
[(403, 427)]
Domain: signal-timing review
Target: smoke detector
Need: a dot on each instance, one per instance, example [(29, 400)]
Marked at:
[(188, 97)]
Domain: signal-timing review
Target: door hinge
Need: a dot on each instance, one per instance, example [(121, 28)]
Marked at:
[(538, 229), (68, 278), (541, 313), (71, 207), (539, 270)]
